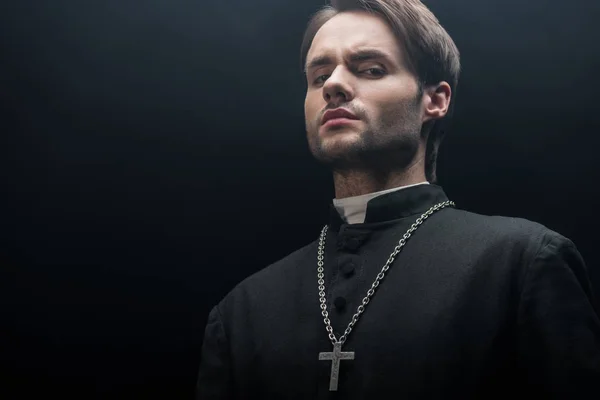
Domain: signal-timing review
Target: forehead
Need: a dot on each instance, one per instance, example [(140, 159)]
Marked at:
[(351, 30)]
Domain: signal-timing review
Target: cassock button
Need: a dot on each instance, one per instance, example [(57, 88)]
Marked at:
[(348, 269), (339, 303)]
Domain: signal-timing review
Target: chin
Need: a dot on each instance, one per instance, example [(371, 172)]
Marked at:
[(339, 134), (339, 152), (340, 142)]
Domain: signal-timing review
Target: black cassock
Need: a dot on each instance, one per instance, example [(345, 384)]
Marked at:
[(473, 307)]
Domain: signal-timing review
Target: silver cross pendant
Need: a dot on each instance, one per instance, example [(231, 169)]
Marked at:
[(335, 357)]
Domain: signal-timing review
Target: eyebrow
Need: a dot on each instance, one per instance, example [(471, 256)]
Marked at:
[(360, 55)]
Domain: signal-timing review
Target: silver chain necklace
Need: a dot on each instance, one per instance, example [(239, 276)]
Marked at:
[(337, 355)]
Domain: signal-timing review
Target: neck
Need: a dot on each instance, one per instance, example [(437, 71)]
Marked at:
[(359, 181)]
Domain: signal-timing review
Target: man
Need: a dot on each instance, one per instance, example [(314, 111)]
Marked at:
[(402, 294)]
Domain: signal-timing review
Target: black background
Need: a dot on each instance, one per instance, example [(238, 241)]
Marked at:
[(153, 155)]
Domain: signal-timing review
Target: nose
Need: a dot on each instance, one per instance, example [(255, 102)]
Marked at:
[(337, 88)]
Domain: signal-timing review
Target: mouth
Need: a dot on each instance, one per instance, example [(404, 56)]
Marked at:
[(341, 121), (338, 114)]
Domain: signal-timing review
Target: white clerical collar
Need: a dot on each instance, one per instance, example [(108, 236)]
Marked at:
[(354, 209)]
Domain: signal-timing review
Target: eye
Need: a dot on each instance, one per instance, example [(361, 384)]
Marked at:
[(375, 71), (318, 80)]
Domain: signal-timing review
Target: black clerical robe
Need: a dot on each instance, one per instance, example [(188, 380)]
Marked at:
[(473, 307)]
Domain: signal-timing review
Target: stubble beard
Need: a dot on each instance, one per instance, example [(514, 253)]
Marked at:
[(392, 143)]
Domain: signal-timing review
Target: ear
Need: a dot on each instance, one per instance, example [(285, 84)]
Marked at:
[(436, 101)]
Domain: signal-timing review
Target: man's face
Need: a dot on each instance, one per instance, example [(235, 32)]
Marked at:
[(380, 91)]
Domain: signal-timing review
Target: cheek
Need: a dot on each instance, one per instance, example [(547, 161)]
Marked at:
[(307, 109), (396, 109), (312, 104)]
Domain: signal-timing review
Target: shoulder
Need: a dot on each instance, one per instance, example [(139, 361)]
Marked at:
[(525, 251), (286, 268), (505, 230), (265, 284), (505, 244)]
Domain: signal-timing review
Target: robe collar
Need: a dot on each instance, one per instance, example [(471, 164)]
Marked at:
[(395, 205)]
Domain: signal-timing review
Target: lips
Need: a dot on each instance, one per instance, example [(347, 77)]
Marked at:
[(337, 113)]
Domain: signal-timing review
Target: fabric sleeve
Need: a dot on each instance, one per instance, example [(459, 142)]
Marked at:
[(214, 381), (558, 325)]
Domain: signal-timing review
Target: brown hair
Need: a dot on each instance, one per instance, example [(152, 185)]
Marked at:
[(430, 51)]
